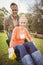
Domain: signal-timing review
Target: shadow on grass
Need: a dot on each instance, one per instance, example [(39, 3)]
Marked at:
[(5, 61)]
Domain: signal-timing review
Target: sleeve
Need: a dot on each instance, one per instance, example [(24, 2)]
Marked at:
[(28, 36), (5, 26), (13, 38)]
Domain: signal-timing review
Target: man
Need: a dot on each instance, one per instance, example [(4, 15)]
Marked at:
[(11, 21)]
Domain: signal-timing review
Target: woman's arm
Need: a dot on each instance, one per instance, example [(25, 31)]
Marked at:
[(13, 38), (28, 36)]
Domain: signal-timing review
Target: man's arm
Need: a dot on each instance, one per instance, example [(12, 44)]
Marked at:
[(5, 25)]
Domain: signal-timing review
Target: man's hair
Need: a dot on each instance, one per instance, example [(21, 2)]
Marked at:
[(13, 4)]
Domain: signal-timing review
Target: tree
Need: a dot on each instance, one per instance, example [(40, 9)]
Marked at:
[(37, 21), (3, 13), (29, 19)]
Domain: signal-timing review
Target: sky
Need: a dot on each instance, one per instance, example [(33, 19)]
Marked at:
[(23, 5)]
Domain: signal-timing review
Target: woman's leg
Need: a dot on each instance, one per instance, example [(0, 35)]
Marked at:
[(38, 58), (25, 57), (36, 55), (30, 46), (17, 53)]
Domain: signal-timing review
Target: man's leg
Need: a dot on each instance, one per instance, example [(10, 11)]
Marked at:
[(9, 37), (8, 41)]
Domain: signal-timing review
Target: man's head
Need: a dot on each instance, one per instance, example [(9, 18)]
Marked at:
[(14, 9)]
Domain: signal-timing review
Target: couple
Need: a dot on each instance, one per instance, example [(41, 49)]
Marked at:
[(28, 53)]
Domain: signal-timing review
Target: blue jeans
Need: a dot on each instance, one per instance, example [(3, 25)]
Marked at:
[(9, 34), (38, 58), (9, 37), (27, 59), (21, 49), (30, 46), (26, 47)]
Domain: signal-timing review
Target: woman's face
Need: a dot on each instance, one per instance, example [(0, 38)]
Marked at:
[(22, 21)]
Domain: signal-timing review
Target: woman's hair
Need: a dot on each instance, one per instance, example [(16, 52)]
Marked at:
[(23, 17)]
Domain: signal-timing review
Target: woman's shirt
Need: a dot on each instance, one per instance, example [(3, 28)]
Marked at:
[(19, 35)]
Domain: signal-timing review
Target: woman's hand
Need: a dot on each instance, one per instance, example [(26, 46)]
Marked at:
[(11, 53)]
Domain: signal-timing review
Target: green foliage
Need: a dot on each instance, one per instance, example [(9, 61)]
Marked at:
[(3, 13), (1, 18), (4, 10), (21, 14)]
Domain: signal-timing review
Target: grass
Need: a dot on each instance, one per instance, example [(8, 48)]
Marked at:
[(39, 44), (4, 53)]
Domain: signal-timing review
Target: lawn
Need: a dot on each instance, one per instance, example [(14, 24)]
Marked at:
[(4, 53)]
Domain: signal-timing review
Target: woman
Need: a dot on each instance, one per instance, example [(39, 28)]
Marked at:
[(19, 35)]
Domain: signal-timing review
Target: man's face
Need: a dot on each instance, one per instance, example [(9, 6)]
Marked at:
[(14, 10)]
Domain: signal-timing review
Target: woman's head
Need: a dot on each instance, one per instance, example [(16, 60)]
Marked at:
[(22, 20)]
